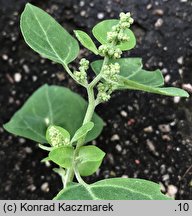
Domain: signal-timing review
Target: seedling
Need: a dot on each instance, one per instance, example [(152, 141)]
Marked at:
[(63, 122)]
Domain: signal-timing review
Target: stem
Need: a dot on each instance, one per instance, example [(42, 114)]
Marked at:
[(88, 116), (72, 76)]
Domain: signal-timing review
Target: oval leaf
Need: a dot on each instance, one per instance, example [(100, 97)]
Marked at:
[(168, 91), (62, 156), (128, 66), (101, 29), (47, 37), (82, 131), (90, 160), (51, 105), (86, 41), (57, 136), (114, 189)]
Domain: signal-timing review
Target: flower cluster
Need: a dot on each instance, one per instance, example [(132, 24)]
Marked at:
[(104, 91), (111, 71), (116, 36), (56, 137), (81, 75)]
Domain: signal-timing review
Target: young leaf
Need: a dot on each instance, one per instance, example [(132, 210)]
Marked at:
[(57, 136), (62, 156), (82, 131), (90, 160), (51, 105), (47, 37), (86, 41), (101, 29), (114, 189), (128, 66), (169, 91)]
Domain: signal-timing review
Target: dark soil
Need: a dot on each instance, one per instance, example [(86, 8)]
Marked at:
[(146, 136)]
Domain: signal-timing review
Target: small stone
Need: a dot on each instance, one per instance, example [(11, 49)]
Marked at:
[(180, 60), (5, 57), (167, 78), (83, 13), (187, 87), (124, 176), (100, 15), (176, 99), (149, 6), (150, 145), (171, 191), (165, 177), (165, 128), (34, 78), (115, 137), (45, 187), (148, 129), (28, 150), (31, 188), (26, 68), (159, 23), (118, 147), (166, 137), (81, 3), (158, 12), (123, 113), (17, 77)]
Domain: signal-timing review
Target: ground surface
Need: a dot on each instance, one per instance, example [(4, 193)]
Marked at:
[(146, 136)]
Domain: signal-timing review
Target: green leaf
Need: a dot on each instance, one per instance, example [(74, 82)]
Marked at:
[(101, 29), (169, 91), (86, 41), (57, 136), (47, 37), (90, 160), (128, 66), (114, 189), (82, 131), (149, 78), (62, 156), (52, 105)]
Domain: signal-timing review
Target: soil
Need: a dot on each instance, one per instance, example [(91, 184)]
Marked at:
[(146, 136)]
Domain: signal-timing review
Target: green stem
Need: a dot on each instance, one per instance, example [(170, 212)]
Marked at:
[(88, 116)]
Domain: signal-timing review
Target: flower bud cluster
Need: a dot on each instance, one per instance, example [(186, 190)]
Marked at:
[(104, 91), (111, 71), (81, 75), (116, 36), (111, 51), (56, 138)]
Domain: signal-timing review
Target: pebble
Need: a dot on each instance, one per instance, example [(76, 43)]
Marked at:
[(180, 60), (31, 187), (158, 12), (149, 6), (123, 113), (34, 78), (82, 13), (150, 145), (167, 78), (171, 191), (17, 77), (5, 57), (26, 68), (165, 177), (176, 99), (45, 187), (165, 128), (148, 129), (81, 3), (166, 137), (28, 150), (159, 23), (187, 87), (115, 137), (100, 15), (118, 147)]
